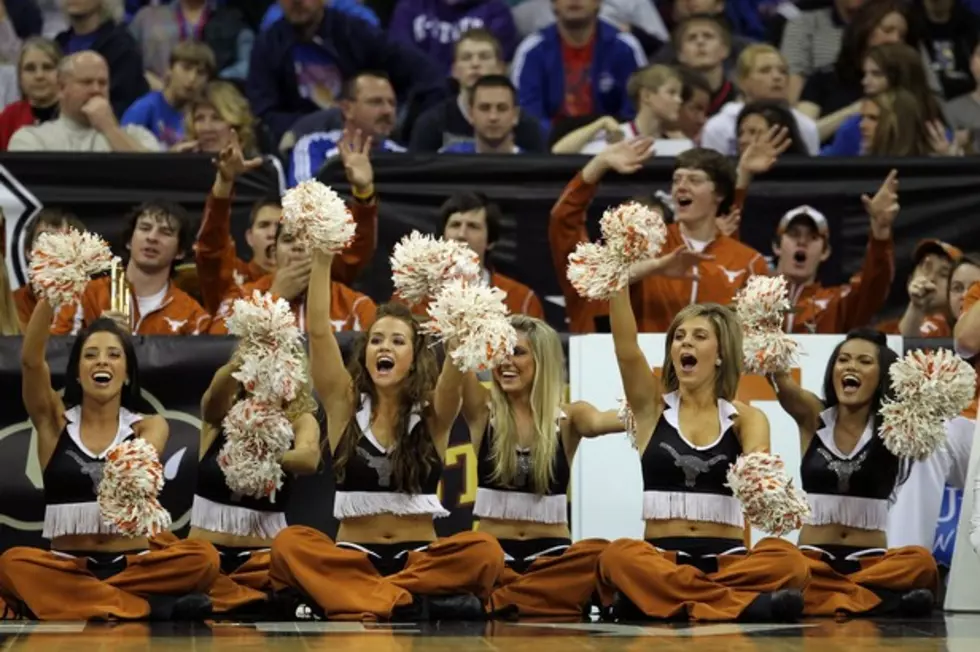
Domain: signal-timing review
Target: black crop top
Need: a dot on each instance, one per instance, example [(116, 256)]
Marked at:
[(522, 480), (670, 463), (871, 473), (72, 475), (211, 484)]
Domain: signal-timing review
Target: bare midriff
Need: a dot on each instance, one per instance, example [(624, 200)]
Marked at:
[(387, 528), (508, 529)]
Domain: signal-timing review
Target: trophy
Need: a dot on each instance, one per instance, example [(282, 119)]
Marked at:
[(120, 298)]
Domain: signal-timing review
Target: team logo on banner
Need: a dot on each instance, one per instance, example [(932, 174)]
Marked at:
[(23, 488), (18, 206)]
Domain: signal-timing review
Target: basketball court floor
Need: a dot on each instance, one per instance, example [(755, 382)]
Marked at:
[(949, 633)]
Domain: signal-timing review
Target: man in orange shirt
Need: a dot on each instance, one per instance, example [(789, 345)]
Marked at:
[(350, 310), (471, 218), (699, 264), (158, 235), (927, 313)]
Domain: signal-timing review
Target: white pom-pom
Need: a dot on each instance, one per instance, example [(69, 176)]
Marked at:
[(317, 215), (595, 273), (628, 419), (132, 478), (930, 388), (760, 482), (761, 307), (633, 231), (421, 265), (475, 316), (258, 435), (263, 320), (63, 263)]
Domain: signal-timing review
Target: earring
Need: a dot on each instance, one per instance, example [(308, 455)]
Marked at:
[(718, 362)]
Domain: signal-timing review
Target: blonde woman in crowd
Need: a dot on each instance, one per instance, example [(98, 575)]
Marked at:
[(37, 78), (212, 118)]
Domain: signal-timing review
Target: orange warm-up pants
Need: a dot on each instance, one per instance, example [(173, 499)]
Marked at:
[(65, 586), (548, 578), (660, 587), (850, 580), (347, 585), (243, 581)]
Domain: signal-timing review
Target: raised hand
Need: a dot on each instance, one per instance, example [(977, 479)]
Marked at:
[(764, 150), (680, 263), (627, 156), (728, 224), (231, 162), (922, 293), (883, 207), (355, 153)]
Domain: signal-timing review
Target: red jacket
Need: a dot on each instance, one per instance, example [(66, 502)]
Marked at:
[(14, 117)]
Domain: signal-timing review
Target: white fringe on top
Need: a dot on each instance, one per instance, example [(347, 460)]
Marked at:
[(849, 511), (708, 508), (74, 518), (352, 504), (520, 506), (234, 519)]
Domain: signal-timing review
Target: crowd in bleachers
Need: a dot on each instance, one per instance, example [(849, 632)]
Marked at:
[(308, 81)]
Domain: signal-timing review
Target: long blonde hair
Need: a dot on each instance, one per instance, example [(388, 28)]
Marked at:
[(233, 108), (546, 395), (728, 332)]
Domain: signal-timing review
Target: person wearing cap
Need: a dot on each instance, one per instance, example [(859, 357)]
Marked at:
[(802, 244), (927, 314)]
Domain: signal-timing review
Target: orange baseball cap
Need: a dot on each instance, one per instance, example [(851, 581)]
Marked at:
[(933, 246)]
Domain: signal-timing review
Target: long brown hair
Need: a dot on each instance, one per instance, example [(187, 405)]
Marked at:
[(901, 127), (903, 68), (728, 332), (413, 454)]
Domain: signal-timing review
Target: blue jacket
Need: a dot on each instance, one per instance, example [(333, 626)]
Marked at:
[(538, 72), (354, 46)]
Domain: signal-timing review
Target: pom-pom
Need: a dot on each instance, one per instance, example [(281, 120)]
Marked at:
[(317, 215), (632, 233), (475, 317), (63, 263), (421, 265), (132, 478), (930, 388), (258, 435), (771, 503), (628, 419), (263, 320), (761, 307)]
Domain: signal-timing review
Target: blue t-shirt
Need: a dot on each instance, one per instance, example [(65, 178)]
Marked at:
[(317, 74), (315, 149), (80, 42), (153, 112), (467, 147)]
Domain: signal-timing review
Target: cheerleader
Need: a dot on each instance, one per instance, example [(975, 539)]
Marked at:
[(689, 431), (242, 528), (91, 571), (849, 477), (526, 442), (389, 415)]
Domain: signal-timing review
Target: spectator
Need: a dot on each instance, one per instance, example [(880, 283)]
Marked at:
[(761, 74), (758, 118), (161, 112), (93, 25), (158, 235), (369, 108), (351, 7), (927, 313), (703, 44), (964, 111), (86, 122), (471, 218), (886, 66), (695, 99), (477, 53), (301, 64), (38, 79), (656, 92), (812, 40), (964, 273), (48, 220), (684, 9), (578, 67), (494, 112), (158, 28), (434, 26), (949, 35), (892, 124), (637, 16), (19, 19), (217, 116)]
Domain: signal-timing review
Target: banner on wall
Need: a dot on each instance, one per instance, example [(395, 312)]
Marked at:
[(174, 374), (607, 496)]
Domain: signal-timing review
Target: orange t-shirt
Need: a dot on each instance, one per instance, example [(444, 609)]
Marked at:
[(349, 310), (520, 299), (932, 326), (178, 314)]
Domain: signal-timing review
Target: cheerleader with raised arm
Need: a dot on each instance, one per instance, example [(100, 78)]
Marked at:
[(526, 441)]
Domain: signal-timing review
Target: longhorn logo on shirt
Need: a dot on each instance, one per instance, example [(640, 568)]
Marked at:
[(691, 465), (843, 469), (381, 465), (175, 324), (92, 469), (732, 275)]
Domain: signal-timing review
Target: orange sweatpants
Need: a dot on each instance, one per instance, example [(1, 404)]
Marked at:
[(898, 570), (662, 588), (346, 585), (60, 587), (558, 587), (248, 584)]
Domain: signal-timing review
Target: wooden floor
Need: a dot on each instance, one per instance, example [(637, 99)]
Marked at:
[(950, 633)]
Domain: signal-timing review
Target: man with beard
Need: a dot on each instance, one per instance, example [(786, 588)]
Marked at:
[(494, 113), (369, 107)]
